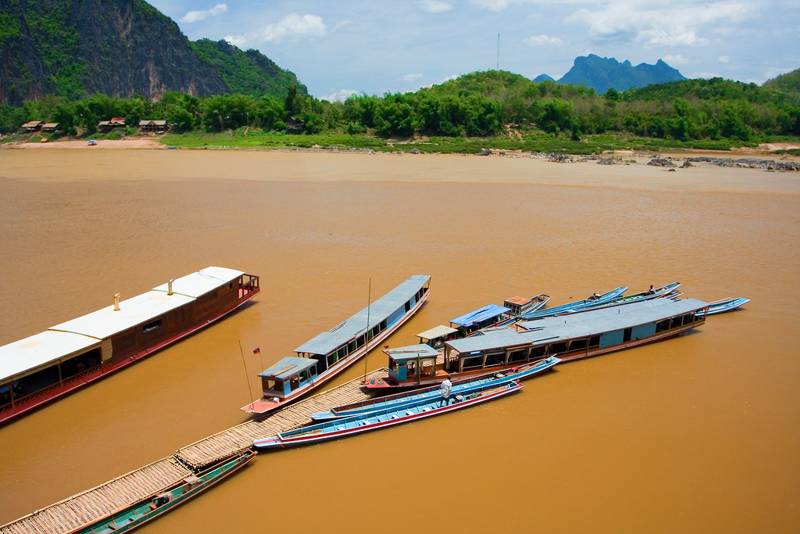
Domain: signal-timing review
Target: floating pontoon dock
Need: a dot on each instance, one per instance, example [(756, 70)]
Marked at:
[(121, 492)]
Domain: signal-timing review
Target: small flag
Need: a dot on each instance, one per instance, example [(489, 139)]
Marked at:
[(257, 350)]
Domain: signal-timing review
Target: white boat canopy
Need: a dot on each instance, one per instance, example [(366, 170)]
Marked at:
[(39, 351)]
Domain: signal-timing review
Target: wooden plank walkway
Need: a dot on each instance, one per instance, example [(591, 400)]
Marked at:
[(123, 491), (228, 442), (102, 500)]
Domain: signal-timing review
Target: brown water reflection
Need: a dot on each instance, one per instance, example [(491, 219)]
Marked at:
[(698, 433)]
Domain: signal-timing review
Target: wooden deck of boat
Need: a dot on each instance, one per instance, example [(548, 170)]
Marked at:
[(123, 491)]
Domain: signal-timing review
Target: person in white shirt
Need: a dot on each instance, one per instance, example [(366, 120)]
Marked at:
[(445, 388)]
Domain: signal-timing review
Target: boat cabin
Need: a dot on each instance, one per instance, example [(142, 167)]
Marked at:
[(518, 305), (480, 318), (289, 374), (412, 362), (575, 336), (437, 336), (87, 347), (350, 336)]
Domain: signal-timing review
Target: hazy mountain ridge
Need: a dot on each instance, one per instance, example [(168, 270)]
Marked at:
[(604, 73)]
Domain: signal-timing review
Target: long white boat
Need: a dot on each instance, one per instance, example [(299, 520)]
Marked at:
[(329, 353)]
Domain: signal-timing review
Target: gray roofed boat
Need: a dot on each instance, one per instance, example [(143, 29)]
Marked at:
[(331, 352)]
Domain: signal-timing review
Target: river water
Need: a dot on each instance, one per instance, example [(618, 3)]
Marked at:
[(698, 433)]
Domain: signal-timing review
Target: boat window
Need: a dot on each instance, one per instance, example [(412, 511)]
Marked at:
[(83, 362), (594, 341), (558, 348), (675, 322), (412, 368), (408, 305), (495, 359), (662, 325), (577, 344), (392, 364), (360, 341), (538, 352), (271, 384), (351, 346), (688, 319), (518, 355), (473, 362), (152, 326), (626, 334)]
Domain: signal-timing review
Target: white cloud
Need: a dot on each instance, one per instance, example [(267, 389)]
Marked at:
[(542, 40), (675, 59), (341, 95), (292, 27), (412, 77), (724, 59), (341, 24), (435, 6), (492, 5), (678, 24), (196, 16)]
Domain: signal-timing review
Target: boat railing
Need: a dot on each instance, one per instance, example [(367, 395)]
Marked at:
[(248, 284), (45, 392)]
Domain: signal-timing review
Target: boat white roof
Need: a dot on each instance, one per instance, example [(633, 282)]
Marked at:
[(578, 325), (412, 352), (40, 350), (201, 282), (134, 311), (436, 332), (356, 325)]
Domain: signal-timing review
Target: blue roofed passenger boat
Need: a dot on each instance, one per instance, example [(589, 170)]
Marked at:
[(480, 318), (326, 355), (569, 337), (390, 416)]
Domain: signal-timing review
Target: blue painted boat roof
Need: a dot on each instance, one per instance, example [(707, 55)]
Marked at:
[(481, 314), (588, 323), (379, 310), (287, 367), (412, 352)]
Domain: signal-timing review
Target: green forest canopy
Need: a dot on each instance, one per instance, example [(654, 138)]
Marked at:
[(476, 104)]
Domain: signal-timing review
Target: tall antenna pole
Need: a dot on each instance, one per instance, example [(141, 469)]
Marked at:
[(244, 365), (498, 50), (366, 335)]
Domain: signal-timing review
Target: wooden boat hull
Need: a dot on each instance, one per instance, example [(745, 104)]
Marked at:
[(77, 382), (143, 512), (278, 442), (263, 407)]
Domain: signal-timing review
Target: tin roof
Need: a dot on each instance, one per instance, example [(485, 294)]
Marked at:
[(412, 352), (39, 350), (287, 367), (356, 325), (436, 332), (481, 314), (134, 311), (202, 281), (32, 124), (579, 325)]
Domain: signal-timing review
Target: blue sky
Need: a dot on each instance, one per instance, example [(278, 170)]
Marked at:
[(373, 46)]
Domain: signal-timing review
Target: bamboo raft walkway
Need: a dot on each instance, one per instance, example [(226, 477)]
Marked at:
[(145, 482)]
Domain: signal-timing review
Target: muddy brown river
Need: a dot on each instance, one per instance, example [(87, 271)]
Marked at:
[(698, 433)]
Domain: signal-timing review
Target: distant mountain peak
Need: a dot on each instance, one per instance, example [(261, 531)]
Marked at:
[(543, 78), (604, 73)]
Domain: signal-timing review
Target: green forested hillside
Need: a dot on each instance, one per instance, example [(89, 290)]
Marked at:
[(789, 82), (247, 73)]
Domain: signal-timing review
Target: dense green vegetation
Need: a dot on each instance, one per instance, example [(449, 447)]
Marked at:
[(470, 111), (247, 73), (789, 82)]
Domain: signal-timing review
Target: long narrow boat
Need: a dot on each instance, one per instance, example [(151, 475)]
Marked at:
[(653, 293), (588, 302), (725, 305), (316, 433), (571, 337), (427, 394), (156, 505), (46, 366), (325, 356)]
